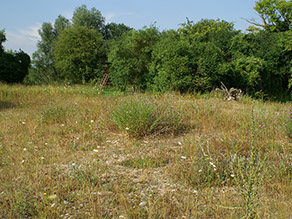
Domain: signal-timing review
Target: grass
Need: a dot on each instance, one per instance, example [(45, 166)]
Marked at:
[(65, 152)]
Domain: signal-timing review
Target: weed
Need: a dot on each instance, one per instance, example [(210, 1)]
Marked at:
[(249, 174)]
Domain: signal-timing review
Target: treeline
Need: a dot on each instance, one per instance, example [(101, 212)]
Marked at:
[(195, 57), (13, 65)]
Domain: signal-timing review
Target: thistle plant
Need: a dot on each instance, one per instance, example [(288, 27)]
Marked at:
[(249, 173)]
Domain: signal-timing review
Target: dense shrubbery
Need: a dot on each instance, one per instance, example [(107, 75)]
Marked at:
[(195, 57)]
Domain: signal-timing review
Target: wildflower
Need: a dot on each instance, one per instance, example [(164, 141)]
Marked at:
[(95, 150), (127, 128), (62, 125), (22, 161), (23, 123), (200, 171), (212, 164), (143, 203), (92, 121), (179, 143), (77, 138), (24, 149), (53, 205), (183, 157), (42, 158), (45, 193), (232, 175)]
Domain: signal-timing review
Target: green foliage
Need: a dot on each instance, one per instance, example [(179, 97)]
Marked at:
[(269, 54), (14, 67), (140, 116), (130, 56), (113, 31), (2, 40), (173, 66), (79, 53), (276, 15), (188, 59), (44, 71), (91, 19)]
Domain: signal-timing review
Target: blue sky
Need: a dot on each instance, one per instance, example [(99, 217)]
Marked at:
[(21, 19)]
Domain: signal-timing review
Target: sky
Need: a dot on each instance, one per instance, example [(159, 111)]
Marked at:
[(22, 19)]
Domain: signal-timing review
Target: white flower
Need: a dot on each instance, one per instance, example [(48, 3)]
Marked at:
[(22, 161), (63, 125), (42, 158), (143, 203), (212, 164), (92, 121), (23, 123), (95, 150), (200, 171), (24, 149), (127, 128), (232, 175), (53, 205), (183, 157), (77, 138), (179, 143)]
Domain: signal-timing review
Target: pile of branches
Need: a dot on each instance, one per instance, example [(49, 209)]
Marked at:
[(231, 94)]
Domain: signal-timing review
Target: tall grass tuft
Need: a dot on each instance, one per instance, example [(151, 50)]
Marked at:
[(141, 116)]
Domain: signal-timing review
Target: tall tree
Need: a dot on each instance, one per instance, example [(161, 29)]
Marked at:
[(79, 53), (88, 18), (43, 59), (276, 15)]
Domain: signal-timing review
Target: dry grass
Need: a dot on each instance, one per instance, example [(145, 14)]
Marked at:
[(61, 156)]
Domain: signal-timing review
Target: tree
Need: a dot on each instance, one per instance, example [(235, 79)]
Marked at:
[(88, 18), (2, 40), (130, 56), (190, 58), (14, 66), (113, 31), (276, 15), (79, 54), (43, 70)]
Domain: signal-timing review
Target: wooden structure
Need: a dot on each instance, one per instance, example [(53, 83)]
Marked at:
[(106, 78)]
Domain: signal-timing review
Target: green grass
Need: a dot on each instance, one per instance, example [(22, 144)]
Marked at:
[(65, 152)]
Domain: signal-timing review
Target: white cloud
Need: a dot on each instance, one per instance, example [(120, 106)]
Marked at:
[(111, 16), (23, 38)]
